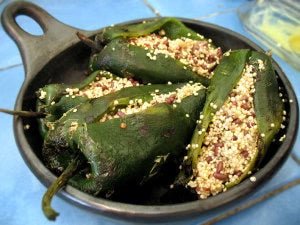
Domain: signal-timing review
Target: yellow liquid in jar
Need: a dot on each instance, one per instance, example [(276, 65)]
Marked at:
[(294, 42), (285, 34), (277, 25)]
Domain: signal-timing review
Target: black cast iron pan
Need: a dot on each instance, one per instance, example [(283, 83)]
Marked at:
[(58, 56)]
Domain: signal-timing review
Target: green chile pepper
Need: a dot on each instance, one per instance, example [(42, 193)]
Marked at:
[(55, 101), (159, 130), (54, 92), (124, 59), (111, 156), (267, 103), (226, 76), (132, 61), (172, 27), (268, 106)]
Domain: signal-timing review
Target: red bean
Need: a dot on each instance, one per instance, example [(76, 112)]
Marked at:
[(206, 189), (246, 106), (244, 153), (208, 159), (219, 144), (211, 58), (121, 114), (220, 176), (104, 87), (219, 167), (171, 99), (237, 121), (216, 151), (238, 173)]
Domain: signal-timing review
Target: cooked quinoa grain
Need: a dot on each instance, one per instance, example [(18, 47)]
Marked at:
[(42, 94), (200, 56), (103, 84), (138, 105), (230, 142), (26, 127)]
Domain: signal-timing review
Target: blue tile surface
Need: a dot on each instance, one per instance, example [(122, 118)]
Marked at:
[(195, 8), (21, 192), (84, 14), (278, 210)]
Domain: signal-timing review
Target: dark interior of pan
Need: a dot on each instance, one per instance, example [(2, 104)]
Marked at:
[(70, 66)]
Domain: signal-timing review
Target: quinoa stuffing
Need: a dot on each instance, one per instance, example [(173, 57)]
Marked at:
[(230, 143), (104, 84), (198, 55), (170, 98)]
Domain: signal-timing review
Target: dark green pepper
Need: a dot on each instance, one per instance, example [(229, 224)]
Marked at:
[(227, 74), (120, 151), (54, 100), (268, 106), (124, 59), (132, 61), (173, 28), (159, 130)]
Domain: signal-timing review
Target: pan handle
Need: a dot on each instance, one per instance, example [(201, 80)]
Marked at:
[(37, 50)]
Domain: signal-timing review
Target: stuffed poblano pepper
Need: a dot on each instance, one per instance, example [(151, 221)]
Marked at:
[(242, 114), (120, 138), (56, 99), (157, 51)]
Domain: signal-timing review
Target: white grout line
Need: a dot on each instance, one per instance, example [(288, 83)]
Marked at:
[(295, 158), (252, 202), (155, 11), (216, 14), (10, 66)]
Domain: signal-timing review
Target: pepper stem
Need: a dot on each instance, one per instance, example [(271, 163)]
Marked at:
[(89, 42), (23, 113), (61, 181)]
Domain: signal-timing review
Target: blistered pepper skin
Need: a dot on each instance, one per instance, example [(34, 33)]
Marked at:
[(56, 102), (123, 59), (132, 61), (173, 29), (267, 102), (118, 155)]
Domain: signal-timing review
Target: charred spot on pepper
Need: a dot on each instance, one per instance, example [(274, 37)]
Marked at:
[(168, 133), (144, 130)]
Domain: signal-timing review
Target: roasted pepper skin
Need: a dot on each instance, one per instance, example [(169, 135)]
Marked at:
[(119, 156), (267, 103), (173, 28), (56, 93), (123, 59), (132, 61)]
